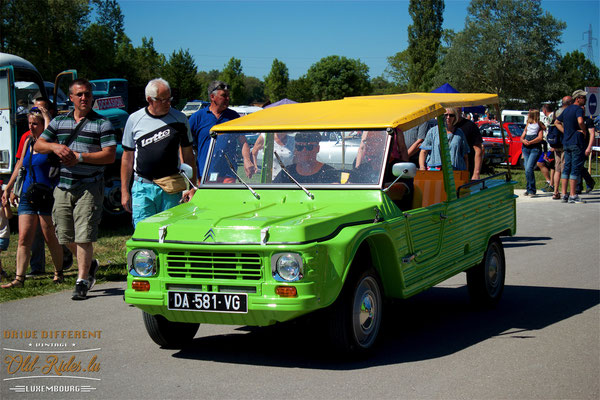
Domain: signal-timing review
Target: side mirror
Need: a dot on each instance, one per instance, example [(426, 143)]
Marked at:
[(404, 170), (187, 172)]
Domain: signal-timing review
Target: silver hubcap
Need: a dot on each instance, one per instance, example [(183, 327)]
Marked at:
[(366, 312), (493, 272)]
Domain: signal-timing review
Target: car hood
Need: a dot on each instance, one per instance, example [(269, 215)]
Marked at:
[(235, 217)]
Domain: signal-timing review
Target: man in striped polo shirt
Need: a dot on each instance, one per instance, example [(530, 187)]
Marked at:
[(79, 195)]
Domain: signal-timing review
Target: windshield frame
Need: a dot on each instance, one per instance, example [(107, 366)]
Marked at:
[(206, 183)]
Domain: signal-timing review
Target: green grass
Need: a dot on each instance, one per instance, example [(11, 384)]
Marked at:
[(109, 250)]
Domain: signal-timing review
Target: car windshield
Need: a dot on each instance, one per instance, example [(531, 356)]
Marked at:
[(100, 86), (516, 129), (310, 158), (191, 107)]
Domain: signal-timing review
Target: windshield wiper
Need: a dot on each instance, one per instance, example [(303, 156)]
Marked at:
[(284, 169), (240, 179)]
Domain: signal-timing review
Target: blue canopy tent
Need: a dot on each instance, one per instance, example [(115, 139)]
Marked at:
[(447, 88), (281, 102)]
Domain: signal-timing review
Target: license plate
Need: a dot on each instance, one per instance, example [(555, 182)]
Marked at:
[(212, 302)]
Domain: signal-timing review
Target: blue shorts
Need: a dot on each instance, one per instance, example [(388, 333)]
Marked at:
[(148, 199), (25, 207), (4, 244)]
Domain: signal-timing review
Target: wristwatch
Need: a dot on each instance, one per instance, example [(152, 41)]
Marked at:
[(80, 158)]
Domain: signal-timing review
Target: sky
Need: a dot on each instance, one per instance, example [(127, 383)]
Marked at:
[(300, 33)]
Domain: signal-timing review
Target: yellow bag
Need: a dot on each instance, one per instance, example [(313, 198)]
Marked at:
[(171, 184)]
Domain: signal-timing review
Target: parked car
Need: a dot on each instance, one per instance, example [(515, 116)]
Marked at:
[(193, 106), (335, 244), (491, 134)]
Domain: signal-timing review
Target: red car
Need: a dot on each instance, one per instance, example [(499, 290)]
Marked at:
[(513, 132)]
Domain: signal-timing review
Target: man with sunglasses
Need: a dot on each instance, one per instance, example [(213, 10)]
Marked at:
[(79, 195), (204, 119), (153, 140), (307, 169)]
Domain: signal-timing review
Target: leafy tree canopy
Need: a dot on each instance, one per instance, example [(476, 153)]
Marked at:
[(575, 71), (335, 77), (277, 81), (180, 71), (424, 36), (507, 47), (232, 74)]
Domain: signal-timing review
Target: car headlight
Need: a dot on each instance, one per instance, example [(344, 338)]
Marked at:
[(287, 267), (142, 262)]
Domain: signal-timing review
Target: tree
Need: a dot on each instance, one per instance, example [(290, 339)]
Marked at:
[(575, 71), (110, 15), (232, 75), (336, 77), (205, 78), (398, 66), (300, 90), (380, 85), (180, 71), (46, 33), (507, 47), (423, 41), (255, 90), (277, 81)]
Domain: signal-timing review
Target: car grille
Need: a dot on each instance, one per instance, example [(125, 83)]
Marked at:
[(214, 265)]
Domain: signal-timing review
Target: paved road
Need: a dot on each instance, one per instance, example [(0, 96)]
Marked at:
[(542, 342)]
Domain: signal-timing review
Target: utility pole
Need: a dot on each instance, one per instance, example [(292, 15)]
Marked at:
[(589, 46)]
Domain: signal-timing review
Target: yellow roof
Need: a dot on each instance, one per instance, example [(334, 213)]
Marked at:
[(368, 112)]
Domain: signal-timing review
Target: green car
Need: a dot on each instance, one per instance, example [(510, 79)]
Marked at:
[(322, 214)]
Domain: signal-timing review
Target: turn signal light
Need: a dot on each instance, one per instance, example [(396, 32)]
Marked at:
[(286, 291), (140, 286)]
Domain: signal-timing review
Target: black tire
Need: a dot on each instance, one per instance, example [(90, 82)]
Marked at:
[(167, 334), (355, 317), (485, 281)]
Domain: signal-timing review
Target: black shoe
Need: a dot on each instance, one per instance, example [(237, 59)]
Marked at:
[(34, 274), (92, 274), (590, 188), (80, 291), (67, 260)]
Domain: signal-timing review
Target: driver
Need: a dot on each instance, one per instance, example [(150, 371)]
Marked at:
[(307, 169)]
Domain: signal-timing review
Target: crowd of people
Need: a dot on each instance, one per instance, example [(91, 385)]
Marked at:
[(66, 156)]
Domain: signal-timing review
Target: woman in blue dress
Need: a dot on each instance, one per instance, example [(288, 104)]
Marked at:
[(30, 215)]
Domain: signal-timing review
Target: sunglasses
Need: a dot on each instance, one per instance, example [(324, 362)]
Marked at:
[(220, 87), (170, 99), (449, 115), (308, 147), (81, 94)]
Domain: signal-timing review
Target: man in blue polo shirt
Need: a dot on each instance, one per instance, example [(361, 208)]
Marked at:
[(204, 119), (570, 122)]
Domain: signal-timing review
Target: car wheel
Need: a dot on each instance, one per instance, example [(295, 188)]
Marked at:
[(167, 334), (485, 281), (355, 318), (112, 198)]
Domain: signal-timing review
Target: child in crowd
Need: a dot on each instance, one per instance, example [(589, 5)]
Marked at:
[(5, 215)]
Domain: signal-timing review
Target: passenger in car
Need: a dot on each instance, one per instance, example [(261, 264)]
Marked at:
[(370, 154), (307, 169)]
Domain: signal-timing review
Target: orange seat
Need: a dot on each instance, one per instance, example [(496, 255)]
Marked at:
[(429, 187)]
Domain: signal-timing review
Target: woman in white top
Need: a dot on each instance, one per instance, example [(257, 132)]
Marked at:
[(283, 145), (532, 137)]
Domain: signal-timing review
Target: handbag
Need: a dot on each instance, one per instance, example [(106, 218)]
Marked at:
[(38, 194), (18, 187), (171, 184)]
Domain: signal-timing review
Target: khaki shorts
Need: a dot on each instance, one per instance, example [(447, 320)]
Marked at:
[(559, 160), (77, 212)]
